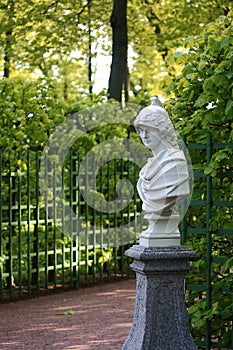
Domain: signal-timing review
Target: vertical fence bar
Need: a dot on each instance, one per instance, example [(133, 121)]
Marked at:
[(19, 229), (209, 244), (54, 258), (232, 322), (183, 226), (63, 225), (86, 226), (121, 248), (108, 216), (9, 244), (1, 238), (137, 225), (79, 228), (46, 230), (183, 223), (101, 225), (36, 266), (94, 224), (73, 243), (28, 224), (115, 217)]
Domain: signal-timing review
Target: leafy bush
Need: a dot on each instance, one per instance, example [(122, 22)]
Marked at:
[(201, 103)]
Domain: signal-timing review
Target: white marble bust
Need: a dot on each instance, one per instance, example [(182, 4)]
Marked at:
[(164, 180)]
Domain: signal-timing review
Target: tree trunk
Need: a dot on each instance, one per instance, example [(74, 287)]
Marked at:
[(7, 59), (118, 75), (89, 51), (8, 40)]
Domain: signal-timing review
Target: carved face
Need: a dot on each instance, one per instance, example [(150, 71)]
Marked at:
[(150, 137)]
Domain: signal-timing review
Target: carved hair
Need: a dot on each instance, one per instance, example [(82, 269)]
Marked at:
[(156, 117)]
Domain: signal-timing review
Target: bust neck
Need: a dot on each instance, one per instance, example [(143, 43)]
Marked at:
[(162, 147)]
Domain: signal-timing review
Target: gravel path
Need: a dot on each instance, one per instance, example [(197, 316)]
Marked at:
[(90, 318)]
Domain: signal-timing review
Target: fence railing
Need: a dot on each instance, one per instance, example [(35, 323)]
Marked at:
[(208, 229), (44, 247), (50, 242)]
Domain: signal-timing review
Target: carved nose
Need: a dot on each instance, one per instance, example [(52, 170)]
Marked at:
[(144, 134)]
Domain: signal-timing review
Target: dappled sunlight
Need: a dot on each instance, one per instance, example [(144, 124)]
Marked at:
[(82, 319)]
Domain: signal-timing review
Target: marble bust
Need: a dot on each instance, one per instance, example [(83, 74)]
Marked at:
[(164, 180)]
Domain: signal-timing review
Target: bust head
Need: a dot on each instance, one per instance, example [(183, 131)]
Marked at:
[(156, 120)]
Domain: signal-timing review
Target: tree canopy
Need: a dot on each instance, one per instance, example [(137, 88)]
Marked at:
[(49, 52), (62, 39)]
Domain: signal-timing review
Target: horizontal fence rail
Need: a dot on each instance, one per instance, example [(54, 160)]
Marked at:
[(43, 247), (65, 230)]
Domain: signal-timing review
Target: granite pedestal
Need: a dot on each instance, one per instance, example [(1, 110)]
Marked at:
[(160, 317)]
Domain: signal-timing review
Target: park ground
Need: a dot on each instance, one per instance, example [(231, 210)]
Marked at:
[(97, 317)]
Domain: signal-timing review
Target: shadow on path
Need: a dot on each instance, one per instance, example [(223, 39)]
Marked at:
[(91, 318)]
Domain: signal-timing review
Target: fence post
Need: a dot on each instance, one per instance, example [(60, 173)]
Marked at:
[(11, 231), (35, 258), (209, 244), (1, 238)]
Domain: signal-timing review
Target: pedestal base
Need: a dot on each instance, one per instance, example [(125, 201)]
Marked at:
[(159, 242), (160, 317), (163, 231)]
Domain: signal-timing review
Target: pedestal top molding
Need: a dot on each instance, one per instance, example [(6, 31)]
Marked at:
[(140, 252)]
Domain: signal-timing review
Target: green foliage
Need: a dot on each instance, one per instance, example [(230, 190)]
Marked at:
[(220, 313), (158, 28), (29, 110), (200, 104), (204, 87), (59, 40)]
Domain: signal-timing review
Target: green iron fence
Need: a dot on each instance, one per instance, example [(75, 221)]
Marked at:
[(208, 229), (37, 257)]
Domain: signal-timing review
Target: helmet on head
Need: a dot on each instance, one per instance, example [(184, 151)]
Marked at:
[(156, 117)]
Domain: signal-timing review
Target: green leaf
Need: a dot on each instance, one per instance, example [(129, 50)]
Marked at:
[(220, 80), (226, 41), (208, 84), (192, 309), (209, 170), (65, 313), (229, 109), (229, 75), (202, 100), (200, 323), (229, 263), (226, 313)]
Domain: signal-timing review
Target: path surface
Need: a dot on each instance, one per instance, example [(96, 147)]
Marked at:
[(91, 318)]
